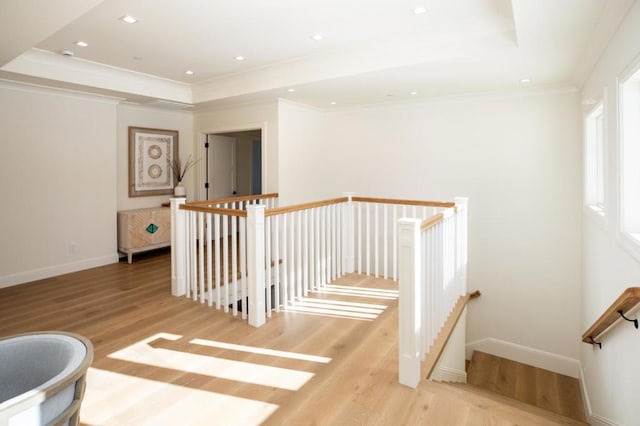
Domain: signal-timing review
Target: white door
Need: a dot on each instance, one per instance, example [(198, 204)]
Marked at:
[(222, 166)]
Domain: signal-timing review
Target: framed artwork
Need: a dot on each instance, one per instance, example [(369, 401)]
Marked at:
[(151, 152)]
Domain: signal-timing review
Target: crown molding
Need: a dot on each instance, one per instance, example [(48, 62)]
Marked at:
[(54, 91), (52, 66)]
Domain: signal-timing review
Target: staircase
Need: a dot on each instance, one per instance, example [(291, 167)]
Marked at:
[(501, 391)]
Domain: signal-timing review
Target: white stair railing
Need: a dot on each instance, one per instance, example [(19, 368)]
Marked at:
[(249, 256), (432, 278)]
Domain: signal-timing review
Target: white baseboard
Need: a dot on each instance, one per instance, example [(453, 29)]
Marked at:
[(52, 271), (583, 390), (445, 374), (595, 420), (549, 361)]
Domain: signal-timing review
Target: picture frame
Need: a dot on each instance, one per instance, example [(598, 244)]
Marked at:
[(151, 151)]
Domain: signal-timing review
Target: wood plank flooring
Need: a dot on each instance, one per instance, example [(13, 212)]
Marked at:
[(159, 360), (551, 391)]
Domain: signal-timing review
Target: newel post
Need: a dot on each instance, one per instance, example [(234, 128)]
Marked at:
[(348, 234), (409, 301), (256, 264), (178, 247)]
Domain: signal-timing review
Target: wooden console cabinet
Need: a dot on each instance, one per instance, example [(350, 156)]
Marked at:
[(143, 229)]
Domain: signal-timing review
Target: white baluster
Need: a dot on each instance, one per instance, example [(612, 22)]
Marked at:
[(327, 228), (243, 265), (234, 261), (193, 258), (395, 243), (368, 240), (348, 235), (385, 251), (209, 262), (299, 254), (225, 259), (276, 260), (201, 255), (323, 247), (376, 232), (217, 253), (313, 282), (334, 248), (268, 263), (338, 239), (359, 237), (292, 259), (305, 251), (285, 260)]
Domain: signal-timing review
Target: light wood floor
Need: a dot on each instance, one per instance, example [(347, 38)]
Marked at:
[(535, 386), (161, 360)]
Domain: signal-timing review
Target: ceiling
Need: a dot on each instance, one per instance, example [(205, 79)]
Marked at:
[(372, 51)]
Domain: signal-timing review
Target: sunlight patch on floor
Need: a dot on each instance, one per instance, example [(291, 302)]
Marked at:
[(247, 372), (373, 293), (336, 308), (115, 398), (261, 351)]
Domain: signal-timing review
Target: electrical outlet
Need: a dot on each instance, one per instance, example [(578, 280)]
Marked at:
[(72, 248)]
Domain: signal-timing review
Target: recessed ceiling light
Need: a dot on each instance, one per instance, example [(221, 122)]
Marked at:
[(333, 102), (413, 93), (188, 72), (129, 19), (291, 90), (525, 80), (317, 37), (239, 58), (82, 43), (419, 10)]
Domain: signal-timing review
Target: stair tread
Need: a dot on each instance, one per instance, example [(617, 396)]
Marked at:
[(490, 401), (533, 386)]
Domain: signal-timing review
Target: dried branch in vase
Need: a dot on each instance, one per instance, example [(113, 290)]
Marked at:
[(179, 170)]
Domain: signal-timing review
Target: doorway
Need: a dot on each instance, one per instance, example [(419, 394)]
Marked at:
[(233, 164)]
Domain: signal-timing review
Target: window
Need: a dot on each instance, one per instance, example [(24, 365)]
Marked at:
[(594, 160), (630, 159)]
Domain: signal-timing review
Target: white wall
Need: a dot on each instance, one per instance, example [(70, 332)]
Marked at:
[(516, 158), (301, 139), (249, 117), (611, 375), (140, 116), (58, 179)]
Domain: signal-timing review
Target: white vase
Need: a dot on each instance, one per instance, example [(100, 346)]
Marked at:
[(179, 190)]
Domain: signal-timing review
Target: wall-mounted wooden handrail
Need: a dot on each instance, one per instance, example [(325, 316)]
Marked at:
[(445, 204), (627, 301)]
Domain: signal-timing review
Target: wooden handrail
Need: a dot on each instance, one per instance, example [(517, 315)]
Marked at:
[(305, 206), (625, 302), (445, 204), (431, 221), (437, 349), (214, 210), (233, 199)]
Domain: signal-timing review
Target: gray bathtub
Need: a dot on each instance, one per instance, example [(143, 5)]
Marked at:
[(42, 378)]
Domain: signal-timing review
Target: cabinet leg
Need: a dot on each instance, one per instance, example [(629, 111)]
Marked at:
[(130, 258)]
